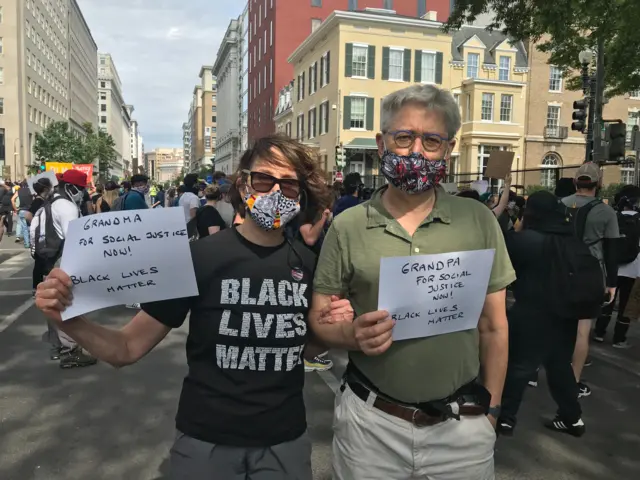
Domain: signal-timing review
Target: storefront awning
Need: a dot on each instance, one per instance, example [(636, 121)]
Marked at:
[(362, 144)]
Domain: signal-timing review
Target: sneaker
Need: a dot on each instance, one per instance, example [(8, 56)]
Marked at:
[(588, 362), (557, 424), (54, 353), (622, 345), (18, 240), (583, 390), (534, 379), (597, 338), (76, 358), (317, 364), (133, 305), (505, 428)]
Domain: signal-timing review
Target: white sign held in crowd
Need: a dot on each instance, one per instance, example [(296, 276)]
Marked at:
[(127, 257), (50, 174), (434, 294)]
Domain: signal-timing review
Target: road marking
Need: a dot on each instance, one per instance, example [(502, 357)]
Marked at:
[(14, 265), (6, 321), (15, 293), (16, 278)]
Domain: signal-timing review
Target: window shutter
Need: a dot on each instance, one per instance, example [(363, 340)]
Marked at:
[(385, 63), (348, 65), (302, 89), (439, 68), (315, 119), (328, 67), (322, 67), (346, 113), (417, 73), (407, 65), (309, 124), (326, 117), (310, 79), (371, 62), (369, 120), (315, 75)]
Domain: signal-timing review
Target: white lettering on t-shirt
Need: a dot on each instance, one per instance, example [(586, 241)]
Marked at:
[(224, 325), (262, 328), (284, 299), (246, 290), (298, 294), (267, 293), (284, 327), (230, 292), (227, 357), (248, 359), (301, 328)]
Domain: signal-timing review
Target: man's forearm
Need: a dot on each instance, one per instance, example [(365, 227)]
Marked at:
[(104, 343), (494, 357), (336, 335)]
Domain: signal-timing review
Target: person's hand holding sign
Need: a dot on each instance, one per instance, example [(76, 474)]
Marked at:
[(339, 310), (53, 295), (373, 332)]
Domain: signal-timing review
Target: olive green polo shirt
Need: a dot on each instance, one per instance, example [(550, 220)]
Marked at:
[(417, 370)]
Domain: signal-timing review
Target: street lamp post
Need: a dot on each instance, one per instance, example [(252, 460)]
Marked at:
[(588, 88)]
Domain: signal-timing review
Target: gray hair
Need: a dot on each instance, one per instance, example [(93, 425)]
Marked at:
[(427, 96)]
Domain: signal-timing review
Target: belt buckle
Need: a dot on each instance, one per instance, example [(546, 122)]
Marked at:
[(416, 422)]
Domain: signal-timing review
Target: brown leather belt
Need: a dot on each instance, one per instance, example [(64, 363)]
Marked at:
[(413, 415)]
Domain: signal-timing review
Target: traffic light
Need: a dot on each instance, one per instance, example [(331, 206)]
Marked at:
[(579, 115), (340, 157), (616, 133), (42, 167)]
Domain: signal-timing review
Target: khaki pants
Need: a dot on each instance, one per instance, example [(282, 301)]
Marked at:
[(368, 444)]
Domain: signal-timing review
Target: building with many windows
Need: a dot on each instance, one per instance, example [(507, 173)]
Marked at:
[(244, 79), (203, 122), (353, 60), (550, 144), (277, 27), (164, 164), (47, 74)]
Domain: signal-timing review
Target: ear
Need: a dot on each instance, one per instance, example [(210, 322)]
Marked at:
[(380, 143)]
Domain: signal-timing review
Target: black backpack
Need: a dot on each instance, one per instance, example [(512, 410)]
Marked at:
[(192, 226), (629, 244), (576, 281), (48, 246)]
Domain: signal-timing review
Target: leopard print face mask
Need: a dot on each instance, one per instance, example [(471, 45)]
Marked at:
[(272, 211)]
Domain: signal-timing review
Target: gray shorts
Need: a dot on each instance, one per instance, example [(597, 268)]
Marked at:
[(193, 459)]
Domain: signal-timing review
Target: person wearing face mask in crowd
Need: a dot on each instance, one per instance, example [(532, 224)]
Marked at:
[(352, 186), (398, 413), (241, 413), (47, 241), (135, 198)]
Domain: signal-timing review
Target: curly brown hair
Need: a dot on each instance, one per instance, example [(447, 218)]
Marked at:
[(317, 195)]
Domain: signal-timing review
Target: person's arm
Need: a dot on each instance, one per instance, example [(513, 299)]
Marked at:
[(213, 230), (99, 205), (504, 198), (610, 247), (311, 233), (67, 212), (194, 205), (13, 202), (494, 344)]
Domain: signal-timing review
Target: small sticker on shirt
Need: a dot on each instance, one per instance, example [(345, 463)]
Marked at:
[(297, 274)]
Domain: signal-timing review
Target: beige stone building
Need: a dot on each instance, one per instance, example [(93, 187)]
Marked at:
[(164, 164), (353, 60), (550, 144), (202, 121), (284, 111), (47, 73)]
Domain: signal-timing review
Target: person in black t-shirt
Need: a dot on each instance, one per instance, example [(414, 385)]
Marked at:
[(247, 328), (208, 219)]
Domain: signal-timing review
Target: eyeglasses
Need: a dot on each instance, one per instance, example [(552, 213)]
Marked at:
[(264, 183), (431, 142)]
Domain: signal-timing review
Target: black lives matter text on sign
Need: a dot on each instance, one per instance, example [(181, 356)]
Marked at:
[(128, 257), (434, 294)]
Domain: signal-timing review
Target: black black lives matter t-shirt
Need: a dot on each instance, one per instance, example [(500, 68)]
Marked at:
[(247, 331)]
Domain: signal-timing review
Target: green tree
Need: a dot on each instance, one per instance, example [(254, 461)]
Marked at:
[(566, 27), (56, 143), (100, 146)]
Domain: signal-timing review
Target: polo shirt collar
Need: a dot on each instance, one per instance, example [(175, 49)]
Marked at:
[(378, 216)]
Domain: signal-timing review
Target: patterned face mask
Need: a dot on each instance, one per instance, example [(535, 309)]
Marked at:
[(272, 211), (412, 173)]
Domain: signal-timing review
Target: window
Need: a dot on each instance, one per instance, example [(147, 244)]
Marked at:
[(313, 76), (504, 69), (634, 94), (487, 107), (103, 84), (632, 120), (214, 118), (387, 4), (213, 108), (1, 76), (396, 64), (353, 5), (356, 167), (271, 70), (484, 151), (358, 112), (103, 108), (260, 48), (468, 108), (359, 62), (473, 60), (103, 119), (548, 173), (265, 41), (324, 118), (428, 74), (422, 8), (1, 106), (1, 46), (103, 95), (271, 33), (555, 79), (1, 15), (300, 128), (553, 120), (506, 106), (315, 23), (30, 114), (627, 175), (324, 69), (312, 123), (316, 3)]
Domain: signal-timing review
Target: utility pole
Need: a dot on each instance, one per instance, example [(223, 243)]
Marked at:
[(635, 145), (597, 124)]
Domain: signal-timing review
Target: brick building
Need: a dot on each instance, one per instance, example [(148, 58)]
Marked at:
[(278, 27)]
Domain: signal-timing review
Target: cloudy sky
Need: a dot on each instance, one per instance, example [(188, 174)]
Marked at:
[(158, 47)]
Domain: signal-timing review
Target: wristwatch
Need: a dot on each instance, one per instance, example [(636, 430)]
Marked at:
[(495, 410)]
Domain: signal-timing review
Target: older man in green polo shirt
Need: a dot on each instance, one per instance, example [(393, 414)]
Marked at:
[(413, 408)]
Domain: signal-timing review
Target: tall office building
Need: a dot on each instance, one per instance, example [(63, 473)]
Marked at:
[(47, 74), (203, 122), (278, 27), (244, 79)]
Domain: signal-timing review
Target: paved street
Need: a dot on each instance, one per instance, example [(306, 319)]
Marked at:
[(101, 423)]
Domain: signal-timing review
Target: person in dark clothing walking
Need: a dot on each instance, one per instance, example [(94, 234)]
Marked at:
[(537, 336), (25, 198), (351, 197)]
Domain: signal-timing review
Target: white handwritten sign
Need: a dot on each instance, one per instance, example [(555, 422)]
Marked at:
[(49, 174), (127, 257), (434, 294)]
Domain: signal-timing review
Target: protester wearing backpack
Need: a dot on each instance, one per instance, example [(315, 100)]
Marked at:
[(48, 230), (550, 265), (626, 202), (596, 223), (134, 198)]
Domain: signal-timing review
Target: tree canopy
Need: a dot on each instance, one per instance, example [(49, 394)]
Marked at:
[(564, 28)]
